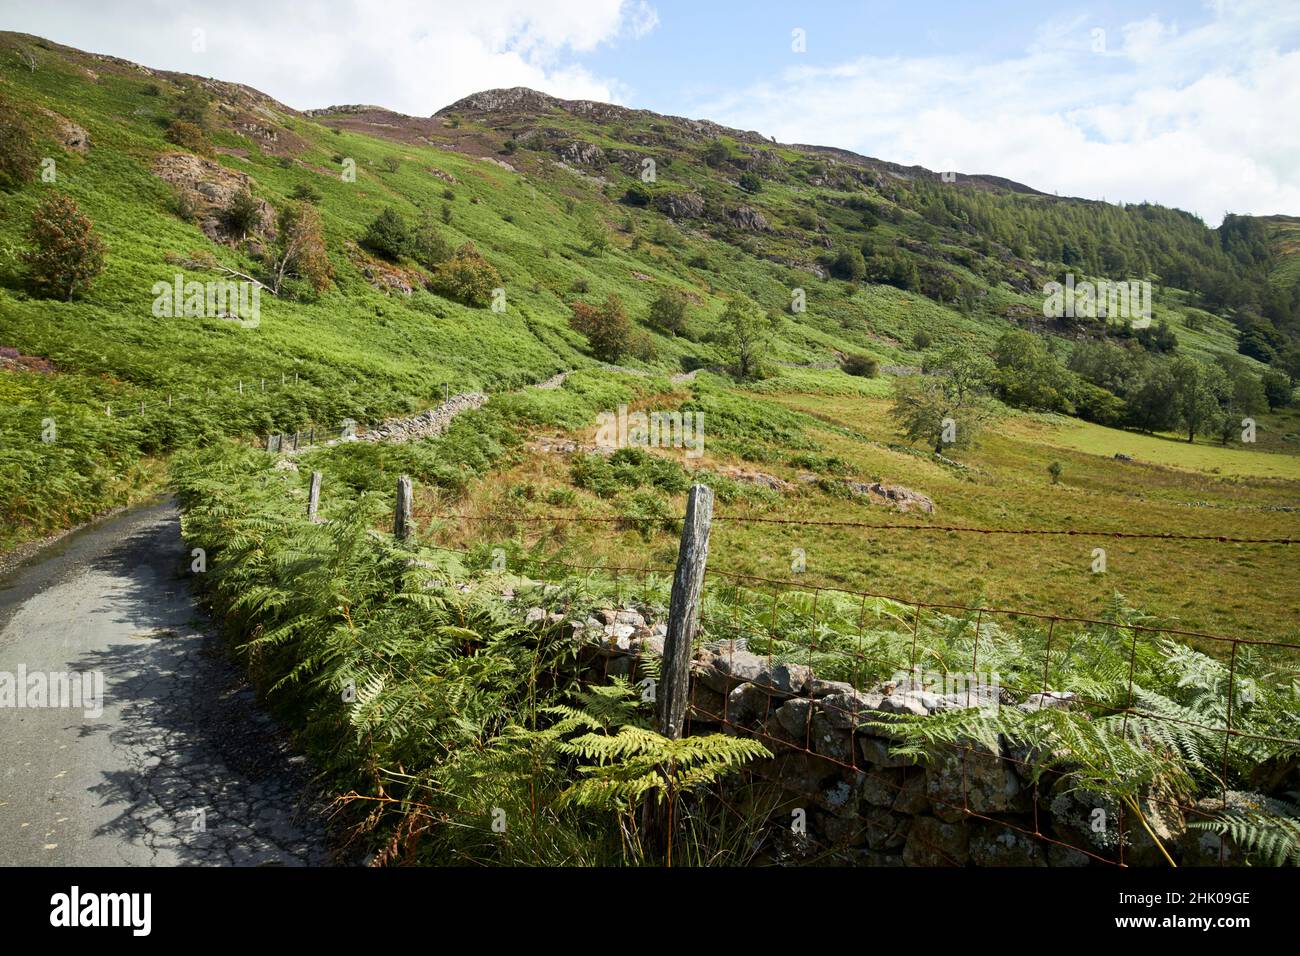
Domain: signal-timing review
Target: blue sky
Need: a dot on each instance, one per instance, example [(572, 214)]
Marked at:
[(1191, 104), (702, 47)]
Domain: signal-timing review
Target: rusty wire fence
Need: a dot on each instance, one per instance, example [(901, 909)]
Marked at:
[(852, 638)]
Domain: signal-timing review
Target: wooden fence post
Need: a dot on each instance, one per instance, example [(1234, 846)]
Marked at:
[(313, 499), (402, 513), (684, 611)]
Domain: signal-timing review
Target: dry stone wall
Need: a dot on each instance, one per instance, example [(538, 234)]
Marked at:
[(845, 795)]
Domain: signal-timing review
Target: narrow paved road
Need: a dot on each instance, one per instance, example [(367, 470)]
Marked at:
[(181, 767)]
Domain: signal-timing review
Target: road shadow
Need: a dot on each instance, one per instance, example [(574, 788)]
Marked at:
[(202, 774)]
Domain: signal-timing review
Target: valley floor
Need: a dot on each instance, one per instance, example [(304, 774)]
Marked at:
[(1168, 487)]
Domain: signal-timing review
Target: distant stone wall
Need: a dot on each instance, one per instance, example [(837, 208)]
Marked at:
[(845, 798)]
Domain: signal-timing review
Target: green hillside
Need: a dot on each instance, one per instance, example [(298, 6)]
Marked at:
[(829, 317), (892, 263)]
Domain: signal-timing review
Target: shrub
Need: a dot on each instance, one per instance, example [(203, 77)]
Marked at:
[(1054, 469), (301, 243), (244, 213), (466, 277), (305, 192), (628, 469), (427, 247), (596, 237), (701, 261), (750, 182), (922, 340), (391, 164), (18, 159), (581, 286), (187, 136), (388, 234), (187, 205), (1094, 404), (645, 512), (446, 214), (866, 366), (192, 105), (848, 264), (668, 311), (716, 154), (1277, 388), (561, 498), (67, 255), (607, 328)]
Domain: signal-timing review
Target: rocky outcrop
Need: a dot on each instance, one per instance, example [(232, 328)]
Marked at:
[(70, 136), (578, 153), (210, 187), (520, 99), (679, 205), (751, 220), (900, 498), (751, 477)]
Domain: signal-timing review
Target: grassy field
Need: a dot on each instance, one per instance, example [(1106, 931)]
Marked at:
[(1236, 589), (1175, 451)]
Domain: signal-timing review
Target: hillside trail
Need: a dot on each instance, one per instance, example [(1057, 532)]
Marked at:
[(175, 763), (166, 757)]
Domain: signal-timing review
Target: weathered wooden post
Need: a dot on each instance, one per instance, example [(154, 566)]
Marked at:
[(684, 611), (313, 498), (402, 514)]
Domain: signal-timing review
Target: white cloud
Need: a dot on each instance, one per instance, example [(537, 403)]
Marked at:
[(414, 56), (1202, 118)]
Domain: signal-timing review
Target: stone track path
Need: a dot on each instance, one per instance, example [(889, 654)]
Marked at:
[(180, 730)]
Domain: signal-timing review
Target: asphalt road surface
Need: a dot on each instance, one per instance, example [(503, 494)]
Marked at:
[(181, 767)]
